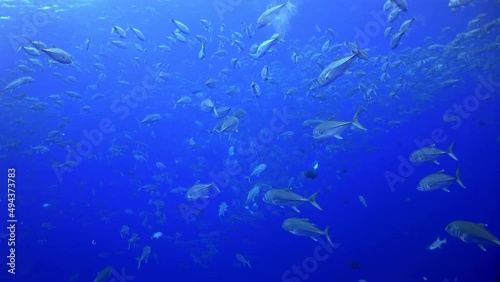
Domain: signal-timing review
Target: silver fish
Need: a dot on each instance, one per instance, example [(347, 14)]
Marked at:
[(431, 154), (470, 232), (334, 128), (439, 181), (285, 197), (302, 227)]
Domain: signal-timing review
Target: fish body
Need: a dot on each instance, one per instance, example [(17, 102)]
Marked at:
[(182, 27), (334, 128), (104, 274), (243, 260), (401, 4), (58, 55), (431, 154), (439, 181), (460, 3), (470, 232), (436, 244), (337, 68), (269, 14), (146, 251), (285, 197), (302, 227), (200, 191), (265, 46), (18, 82)]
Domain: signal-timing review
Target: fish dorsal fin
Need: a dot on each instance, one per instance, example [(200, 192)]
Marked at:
[(440, 172), (483, 225), (197, 182), (304, 219), (432, 146), (330, 119)]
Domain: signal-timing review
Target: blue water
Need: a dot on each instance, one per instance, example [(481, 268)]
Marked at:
[(72, 201)]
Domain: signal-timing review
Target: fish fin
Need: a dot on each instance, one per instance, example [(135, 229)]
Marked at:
[(328, 236), (482, 247), (450, 152), (360, 52), (441, 171), (312, 200), (355, 120), (314, 238), (139, 263), (295, 209), (446, 190), (436, 162), (496, 242), (338, 137), (457, 178)]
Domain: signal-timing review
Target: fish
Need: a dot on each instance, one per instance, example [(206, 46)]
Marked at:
[(439, 181), (243, 260), (146, 251), (104, 274), (201, 191), (334, 128), (121, 33), (268, 15), (363, 201), (470, 232), (152, 118), (157, 235), (285, 197), (436, 244), (402, 4), (222, 208), (254, 192), (302, 227), (257, 171), (396, 38), (58, 55), (18, 82), (182, 27), (228, 125), (138, 33), (460, 3), (337, 68), (266, 45), (431, 154)]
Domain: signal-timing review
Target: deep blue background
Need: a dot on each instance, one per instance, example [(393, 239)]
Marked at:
[(388, 240)]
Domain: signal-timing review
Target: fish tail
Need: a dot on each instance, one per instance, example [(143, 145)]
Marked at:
[(328, 236), (355, 121), (312, 200), (450, 152), (139, 263), (360, 52), (457, 178)]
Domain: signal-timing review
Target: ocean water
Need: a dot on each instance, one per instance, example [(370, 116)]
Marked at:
[(85, 171)]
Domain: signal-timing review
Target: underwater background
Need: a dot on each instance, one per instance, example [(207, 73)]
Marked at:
[(111, 142)]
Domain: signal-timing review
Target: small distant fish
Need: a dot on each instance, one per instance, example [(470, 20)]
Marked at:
[(257, 171), (460, 3), (363, 201), (436, 244), (269, 14), (157, 235), (182, 27), (243, 260)]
